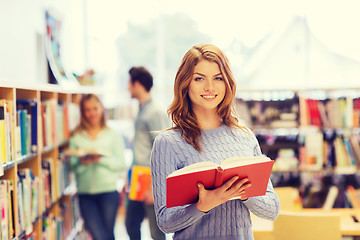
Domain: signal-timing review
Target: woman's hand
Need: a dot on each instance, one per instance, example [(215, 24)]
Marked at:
[(89, 159), (95, 158), (208, 199), (148, 196)]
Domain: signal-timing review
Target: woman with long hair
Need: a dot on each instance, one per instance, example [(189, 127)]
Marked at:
[(206, 128), (96, 175)]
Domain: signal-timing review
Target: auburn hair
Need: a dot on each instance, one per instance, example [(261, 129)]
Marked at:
[(180, 110)]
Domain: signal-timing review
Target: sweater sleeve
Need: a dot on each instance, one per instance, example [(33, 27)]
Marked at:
[(117, 161), (163, 162), (266, 206)]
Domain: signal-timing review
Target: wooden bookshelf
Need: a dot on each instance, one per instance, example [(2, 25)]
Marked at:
[(51, 220)]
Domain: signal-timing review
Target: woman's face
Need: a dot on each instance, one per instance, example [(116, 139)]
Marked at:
[(207, 87), (93, 111)]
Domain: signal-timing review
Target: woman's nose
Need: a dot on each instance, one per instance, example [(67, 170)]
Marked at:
[(209, 86)]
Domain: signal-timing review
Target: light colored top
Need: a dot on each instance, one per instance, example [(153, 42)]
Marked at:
[(149, 121), (98, 177), (230, 220)]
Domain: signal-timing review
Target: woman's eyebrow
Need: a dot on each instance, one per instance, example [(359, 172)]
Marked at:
[(204, 75), (199, 74)]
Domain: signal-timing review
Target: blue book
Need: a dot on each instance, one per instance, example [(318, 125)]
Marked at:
[(31, 106), (23, 132)]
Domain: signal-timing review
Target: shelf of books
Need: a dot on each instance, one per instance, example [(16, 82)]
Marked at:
[(37, 190), (314, 137)]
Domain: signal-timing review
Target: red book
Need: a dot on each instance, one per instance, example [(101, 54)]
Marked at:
[(315, 118), (181, 185)]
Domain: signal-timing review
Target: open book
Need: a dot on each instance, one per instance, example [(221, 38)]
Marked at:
[(87, 152), (181, 185)]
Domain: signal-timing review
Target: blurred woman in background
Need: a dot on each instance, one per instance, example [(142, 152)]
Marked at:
[(96, 175)]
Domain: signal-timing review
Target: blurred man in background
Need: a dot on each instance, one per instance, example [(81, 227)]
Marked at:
[(149, 121)]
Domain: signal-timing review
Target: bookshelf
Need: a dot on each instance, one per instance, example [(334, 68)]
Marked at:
[(37, 192), (312, 134)]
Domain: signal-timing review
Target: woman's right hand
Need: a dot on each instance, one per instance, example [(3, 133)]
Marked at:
[(208, 199), (84, 160), (89, 159)]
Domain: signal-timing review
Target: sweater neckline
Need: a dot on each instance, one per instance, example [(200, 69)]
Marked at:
[(214, 130)]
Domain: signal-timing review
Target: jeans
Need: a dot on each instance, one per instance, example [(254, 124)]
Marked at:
[(135, 214), (99, 213)]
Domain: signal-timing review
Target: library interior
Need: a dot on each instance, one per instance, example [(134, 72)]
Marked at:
[(297, 71)]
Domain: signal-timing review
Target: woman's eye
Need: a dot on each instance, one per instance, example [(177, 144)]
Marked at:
[(198, 79), (219, 78)]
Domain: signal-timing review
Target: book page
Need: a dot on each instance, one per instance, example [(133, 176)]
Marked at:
[(85, 152), (196, 167), (242, 161)]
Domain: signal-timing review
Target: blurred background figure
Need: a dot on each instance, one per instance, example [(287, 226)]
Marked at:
[(150, 120), (96, 175)]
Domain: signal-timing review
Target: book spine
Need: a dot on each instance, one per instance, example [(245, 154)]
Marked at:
[(22, 117), (28, 133), (44, 138), (2, 142), (219, 177), (2, 131), (34, 127)]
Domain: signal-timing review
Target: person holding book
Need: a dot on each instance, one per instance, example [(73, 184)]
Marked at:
[(149, 121), (206, 128), (97, 174)]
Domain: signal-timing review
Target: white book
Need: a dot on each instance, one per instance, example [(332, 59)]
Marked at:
[(331, 197)]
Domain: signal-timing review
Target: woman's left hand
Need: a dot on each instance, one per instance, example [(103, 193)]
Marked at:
[(93, 159)]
